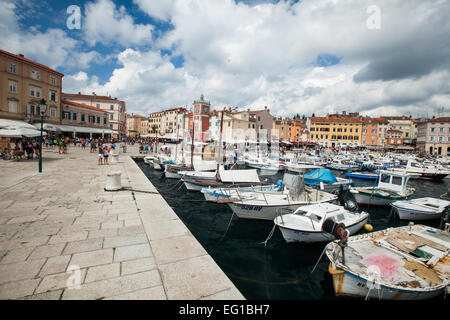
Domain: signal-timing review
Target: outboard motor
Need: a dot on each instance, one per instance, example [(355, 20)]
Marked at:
[(348, 201)]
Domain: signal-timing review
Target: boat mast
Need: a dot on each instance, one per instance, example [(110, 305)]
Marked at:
[(192, 142), (176, 139), (220, 145)]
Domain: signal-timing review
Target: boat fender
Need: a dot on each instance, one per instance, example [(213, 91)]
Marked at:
[(368, 227)]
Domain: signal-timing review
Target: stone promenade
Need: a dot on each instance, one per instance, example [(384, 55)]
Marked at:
[(62, 236)]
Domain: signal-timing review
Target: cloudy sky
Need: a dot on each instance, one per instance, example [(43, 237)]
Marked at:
[(378, 57)]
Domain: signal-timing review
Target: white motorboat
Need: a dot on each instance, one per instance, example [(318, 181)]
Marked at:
[(149, 160), (225, 179), (393, 189), (265, 164), (420, 209), (341, 165), (424, 171), (220, 194), (305, 224), (405, 263), (268, 205)]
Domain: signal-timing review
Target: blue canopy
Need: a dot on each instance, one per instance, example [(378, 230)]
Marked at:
[(319, 175)]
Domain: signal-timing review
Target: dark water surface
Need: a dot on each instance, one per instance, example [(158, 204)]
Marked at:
[(279, 270)]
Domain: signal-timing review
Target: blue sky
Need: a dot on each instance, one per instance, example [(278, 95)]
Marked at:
[(310, 56)]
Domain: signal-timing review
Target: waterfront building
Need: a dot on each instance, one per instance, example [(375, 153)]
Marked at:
[(79, 120), (169, 121), (374, 131), (201, 115), (433, 136), (134, 125), (394, 137), (299, 131), (283, 129), (154, 123), (115, 108), (23, 83), (264, 123), (406, 125), (335, 132)]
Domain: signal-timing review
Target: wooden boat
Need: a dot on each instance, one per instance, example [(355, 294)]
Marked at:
[(405, 263), (305, 224), (420, 209), (385, 192)]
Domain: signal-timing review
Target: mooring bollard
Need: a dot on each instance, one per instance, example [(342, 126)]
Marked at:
[(114, 183), (114, 158)]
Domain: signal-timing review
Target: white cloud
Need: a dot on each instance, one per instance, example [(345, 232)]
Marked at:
[(265, 54), (160, 9), (105, 23)]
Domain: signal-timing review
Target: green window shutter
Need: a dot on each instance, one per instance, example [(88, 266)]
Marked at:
[(74, 117)]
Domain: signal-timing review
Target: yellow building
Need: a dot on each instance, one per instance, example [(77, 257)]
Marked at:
[(23, 83), (154, 123), (134, 127), (335, 132)]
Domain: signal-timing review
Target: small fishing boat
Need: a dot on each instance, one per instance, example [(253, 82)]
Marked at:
[(424, 171), (172, 171), (362, 175), (225, 179), (265, 164), (305, 224), (220, 194), (267, 205), (420, 209), (392, 186), (341, 165), (405, 263), (149, 160), (325, 180)]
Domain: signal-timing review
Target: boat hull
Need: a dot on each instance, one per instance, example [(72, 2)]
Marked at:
[(291, 235), (347, 284), (260, 212), (172, 175), (416, 215), (368, 199)]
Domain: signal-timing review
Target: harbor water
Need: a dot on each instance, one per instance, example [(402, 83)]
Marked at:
[(276, 270)]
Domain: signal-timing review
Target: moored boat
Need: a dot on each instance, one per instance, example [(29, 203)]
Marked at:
[(420, 209), (405, 263), (305, 224)]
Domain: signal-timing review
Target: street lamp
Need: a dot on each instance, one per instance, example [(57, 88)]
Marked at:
[(42, 109)]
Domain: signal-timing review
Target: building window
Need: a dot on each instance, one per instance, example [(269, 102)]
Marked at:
[(36, 75), (74, 116), (432, 129), (53, 81), (110, 126), (12, 106), (431, 138), (53, 112), (111, 107), (12, 86), (441, 138), (98, 119), (35, 92), (441, 129), (53, 96), (83, 117), (12, 68), (111, 117), (104, 120)]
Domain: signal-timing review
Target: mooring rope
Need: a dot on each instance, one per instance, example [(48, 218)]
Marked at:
[(269, 236)]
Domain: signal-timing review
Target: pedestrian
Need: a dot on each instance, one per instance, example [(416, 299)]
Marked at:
[(105, 154), (100, 155)]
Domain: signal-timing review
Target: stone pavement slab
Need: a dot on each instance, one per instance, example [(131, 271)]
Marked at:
[(125, 244)]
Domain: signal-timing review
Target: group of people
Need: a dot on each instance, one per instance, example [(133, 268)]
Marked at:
[(23, 149)]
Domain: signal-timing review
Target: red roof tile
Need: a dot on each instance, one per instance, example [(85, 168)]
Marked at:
[(75, 104), (30, 61)]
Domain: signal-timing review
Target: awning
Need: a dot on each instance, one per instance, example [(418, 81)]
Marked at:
[(66, 128), (7, 123), (19, 132)]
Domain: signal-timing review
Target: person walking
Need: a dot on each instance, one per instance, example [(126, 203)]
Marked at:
[(100, 155), (105, 154)]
